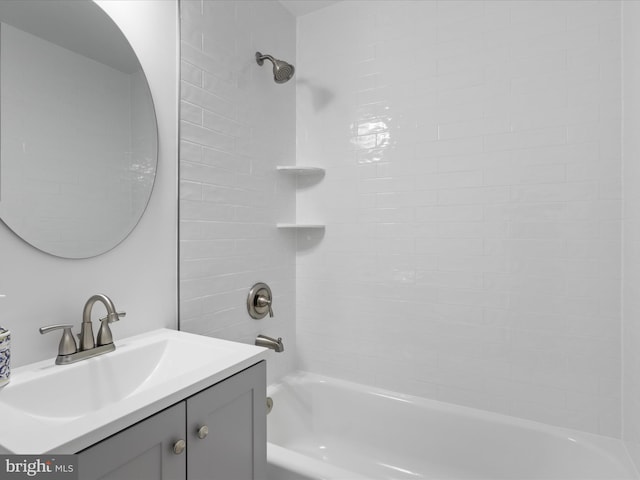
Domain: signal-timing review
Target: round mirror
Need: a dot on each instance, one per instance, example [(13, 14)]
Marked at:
[(78, 133)]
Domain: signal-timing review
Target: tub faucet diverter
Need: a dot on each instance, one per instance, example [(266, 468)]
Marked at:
[(272, 343)]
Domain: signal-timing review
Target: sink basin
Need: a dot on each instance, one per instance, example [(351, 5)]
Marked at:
[(64, 408), (75, 390)]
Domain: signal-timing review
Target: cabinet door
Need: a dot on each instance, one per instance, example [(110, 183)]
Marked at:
[(141, 452), (234, 411)]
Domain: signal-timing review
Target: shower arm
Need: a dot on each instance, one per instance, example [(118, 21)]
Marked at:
[(260, 58)]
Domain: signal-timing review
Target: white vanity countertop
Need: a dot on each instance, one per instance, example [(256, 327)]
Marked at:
[(48, 408)]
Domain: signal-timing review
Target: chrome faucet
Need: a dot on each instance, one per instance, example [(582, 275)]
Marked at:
[(69, 352), (272, 343)]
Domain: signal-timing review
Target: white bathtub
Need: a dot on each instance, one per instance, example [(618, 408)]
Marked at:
[(324, 428)]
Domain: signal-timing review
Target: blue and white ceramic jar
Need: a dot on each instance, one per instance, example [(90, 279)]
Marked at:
[(5, 356)]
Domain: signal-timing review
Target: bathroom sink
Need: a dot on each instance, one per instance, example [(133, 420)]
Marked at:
[(75, 390), (63, 408)]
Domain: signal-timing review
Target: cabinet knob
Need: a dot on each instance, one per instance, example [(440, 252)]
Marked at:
[(203, 431), (179, 447)]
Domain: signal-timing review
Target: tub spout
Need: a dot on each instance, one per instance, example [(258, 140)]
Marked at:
[(272, 343)]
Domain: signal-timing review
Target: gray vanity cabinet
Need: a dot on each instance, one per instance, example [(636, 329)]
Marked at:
[(234, 412), (231, 446), (142, 452)]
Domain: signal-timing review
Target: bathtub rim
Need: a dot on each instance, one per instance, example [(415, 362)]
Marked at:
[(612, 447)]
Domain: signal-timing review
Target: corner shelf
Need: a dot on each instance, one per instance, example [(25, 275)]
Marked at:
[(298, 170)]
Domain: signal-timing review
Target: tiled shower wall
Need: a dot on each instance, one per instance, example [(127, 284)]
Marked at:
[(236, 126), (472, 199)]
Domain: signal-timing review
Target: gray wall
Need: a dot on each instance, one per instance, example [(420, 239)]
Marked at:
[(140, 275)]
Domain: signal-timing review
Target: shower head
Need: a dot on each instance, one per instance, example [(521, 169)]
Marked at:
[(282, 71)]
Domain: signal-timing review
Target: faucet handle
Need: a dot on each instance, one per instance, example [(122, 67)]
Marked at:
[(264, 301), (67, 344), (104, 334), (113, 317)]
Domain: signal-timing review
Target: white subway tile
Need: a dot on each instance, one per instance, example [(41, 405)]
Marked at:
[(525, 175), (560, 192), (190, 191), (473, 195), (190, 152), (190, 113), (449, 279), (477, 201), (191, 74), (526, 139), (205, 137)]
